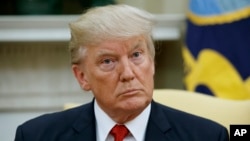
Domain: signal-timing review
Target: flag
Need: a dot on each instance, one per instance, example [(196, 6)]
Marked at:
[(217, 48)]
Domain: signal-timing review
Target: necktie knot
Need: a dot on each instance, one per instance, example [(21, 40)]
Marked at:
[(119, 132)]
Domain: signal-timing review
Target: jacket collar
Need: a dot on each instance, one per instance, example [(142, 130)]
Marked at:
[(158, 125), (84, 126), (157, 128)]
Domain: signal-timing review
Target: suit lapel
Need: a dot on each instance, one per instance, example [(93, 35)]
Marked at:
[(84, 126), (158, 125)]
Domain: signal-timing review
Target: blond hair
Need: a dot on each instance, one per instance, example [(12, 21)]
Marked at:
[(109, 22)]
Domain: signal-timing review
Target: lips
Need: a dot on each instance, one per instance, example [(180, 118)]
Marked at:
[(130, 92)]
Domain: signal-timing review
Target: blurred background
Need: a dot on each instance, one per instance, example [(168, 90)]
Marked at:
[(35, 70)]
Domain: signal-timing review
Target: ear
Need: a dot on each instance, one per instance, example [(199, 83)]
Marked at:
[(81, 77)]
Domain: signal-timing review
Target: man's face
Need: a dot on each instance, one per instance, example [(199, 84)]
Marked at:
[(120, 74)]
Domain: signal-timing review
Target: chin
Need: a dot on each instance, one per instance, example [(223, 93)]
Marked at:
[(136, 103)]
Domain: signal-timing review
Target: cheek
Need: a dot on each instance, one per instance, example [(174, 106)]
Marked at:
[(104, 90), (103, 83), (145, 76), (149, 73), (149, 70)]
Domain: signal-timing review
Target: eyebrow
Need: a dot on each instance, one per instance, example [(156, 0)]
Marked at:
[(139, 44), (107, 52)]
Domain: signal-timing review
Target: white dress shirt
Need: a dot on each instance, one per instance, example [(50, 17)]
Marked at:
[(137, 126)]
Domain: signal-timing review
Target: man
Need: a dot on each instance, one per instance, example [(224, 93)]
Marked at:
[(113, 56)]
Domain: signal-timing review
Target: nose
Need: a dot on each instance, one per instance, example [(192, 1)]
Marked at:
[(127, 71)]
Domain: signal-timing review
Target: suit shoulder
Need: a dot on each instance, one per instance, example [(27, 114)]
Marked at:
[(188, 119), (53, 120), (186, 126), (56, 126)]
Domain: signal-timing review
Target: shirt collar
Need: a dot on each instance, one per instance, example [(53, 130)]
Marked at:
[(103, 123), (137, 126)]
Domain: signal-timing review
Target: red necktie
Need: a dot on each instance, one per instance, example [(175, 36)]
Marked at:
[(119, 132)]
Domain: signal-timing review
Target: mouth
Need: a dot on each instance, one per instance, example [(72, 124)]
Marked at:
[(130, 92)]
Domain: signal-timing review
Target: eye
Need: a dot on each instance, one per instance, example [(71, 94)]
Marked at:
[(137, 57), (107, 64), (136, 54), (107, 61)]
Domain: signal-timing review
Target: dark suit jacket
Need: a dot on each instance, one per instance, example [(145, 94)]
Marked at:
[(78, 124)]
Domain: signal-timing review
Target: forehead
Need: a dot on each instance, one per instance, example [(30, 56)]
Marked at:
[(119, 45)]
